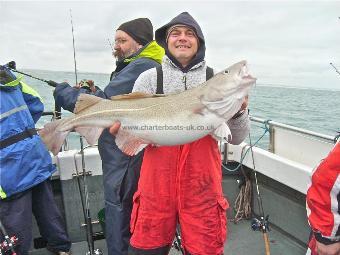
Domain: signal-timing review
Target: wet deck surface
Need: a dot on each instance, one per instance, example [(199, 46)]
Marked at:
[(241, 241)]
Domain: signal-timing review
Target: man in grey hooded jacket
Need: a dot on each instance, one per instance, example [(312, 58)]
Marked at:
[(181, 183)]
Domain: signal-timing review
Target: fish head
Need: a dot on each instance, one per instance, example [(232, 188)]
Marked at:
[(236, 76), (234, 80), (225, 92)]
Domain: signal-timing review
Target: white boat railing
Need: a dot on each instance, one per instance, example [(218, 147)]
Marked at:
[(297, 144), (292, 154), (271, 123)]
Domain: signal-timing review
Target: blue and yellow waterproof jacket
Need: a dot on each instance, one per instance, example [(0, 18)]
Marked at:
[(24, 160), (115, 163)]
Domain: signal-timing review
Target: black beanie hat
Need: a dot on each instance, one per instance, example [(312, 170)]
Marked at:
[(140, 30)]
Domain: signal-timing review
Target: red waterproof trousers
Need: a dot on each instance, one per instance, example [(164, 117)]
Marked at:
[(181, 183)]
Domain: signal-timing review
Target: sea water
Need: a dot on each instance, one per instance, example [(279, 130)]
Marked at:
[(316, 110)]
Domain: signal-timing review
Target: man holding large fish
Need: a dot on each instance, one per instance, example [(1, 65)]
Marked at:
[(182, 183), (181, 170)]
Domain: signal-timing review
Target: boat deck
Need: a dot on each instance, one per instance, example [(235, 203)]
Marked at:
[(241, 241), (283, 173)]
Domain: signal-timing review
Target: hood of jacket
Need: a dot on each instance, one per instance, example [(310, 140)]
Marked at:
[(182, 19)]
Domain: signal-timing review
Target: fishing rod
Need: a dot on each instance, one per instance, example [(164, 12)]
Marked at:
[(74, 50), (85, 202), (57, 109), (261, 224), (12, 66), (336, 70)]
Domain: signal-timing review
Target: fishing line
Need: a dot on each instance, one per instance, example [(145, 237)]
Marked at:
[(243, 155), (110, 44), (336, 70)]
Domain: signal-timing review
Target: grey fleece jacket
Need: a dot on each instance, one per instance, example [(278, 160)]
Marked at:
[(175, 81)]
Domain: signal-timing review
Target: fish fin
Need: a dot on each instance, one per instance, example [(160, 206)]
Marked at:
[(225, 107), (52, 138), (91, 134), (222, 133), (136, 95), (129, 144), (84, 101)]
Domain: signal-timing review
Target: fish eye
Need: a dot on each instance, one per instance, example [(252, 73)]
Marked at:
[(226, 71)]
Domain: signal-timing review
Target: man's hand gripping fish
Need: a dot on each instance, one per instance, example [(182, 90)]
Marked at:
[(157, 119)]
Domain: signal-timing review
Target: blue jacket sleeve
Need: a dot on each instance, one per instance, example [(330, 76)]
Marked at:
[(121, 83), (66, 96), (35, 106), (33, 101)]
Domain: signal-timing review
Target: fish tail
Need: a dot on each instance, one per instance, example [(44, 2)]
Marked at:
[(52, 137)]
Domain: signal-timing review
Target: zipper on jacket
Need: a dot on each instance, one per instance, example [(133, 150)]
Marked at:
[(184, 80)]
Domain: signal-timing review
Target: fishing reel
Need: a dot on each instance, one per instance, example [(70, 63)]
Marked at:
[(337, 137), (95, 252), (88, 85), (7, 246), (177, 243), (261, 224), (12, 65)]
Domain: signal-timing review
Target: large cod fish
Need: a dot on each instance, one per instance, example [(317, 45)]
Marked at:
[(157, 119)]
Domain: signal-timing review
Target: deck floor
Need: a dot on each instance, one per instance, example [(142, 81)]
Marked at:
[(241, 241)]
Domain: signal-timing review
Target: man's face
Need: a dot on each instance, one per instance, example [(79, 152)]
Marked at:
[(124, 45), (183, 44)]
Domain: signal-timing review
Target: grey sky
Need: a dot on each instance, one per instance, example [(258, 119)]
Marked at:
[(288, 43)]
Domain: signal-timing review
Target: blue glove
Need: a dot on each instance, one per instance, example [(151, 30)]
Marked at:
[(6, 75)]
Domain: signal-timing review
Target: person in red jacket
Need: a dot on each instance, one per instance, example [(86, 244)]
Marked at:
[(323, 206)]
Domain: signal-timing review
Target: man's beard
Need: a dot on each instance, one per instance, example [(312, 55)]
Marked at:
[(119, 55)]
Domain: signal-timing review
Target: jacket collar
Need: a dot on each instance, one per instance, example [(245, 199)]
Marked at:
[(168, 61), (152, 51)]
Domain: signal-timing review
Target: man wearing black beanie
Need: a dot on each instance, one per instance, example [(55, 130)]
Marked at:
[(135, 52), (130, 37), (139, 29)]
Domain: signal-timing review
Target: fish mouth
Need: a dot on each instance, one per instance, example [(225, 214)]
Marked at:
[(248, 80), (248, 77), (244, 73)]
